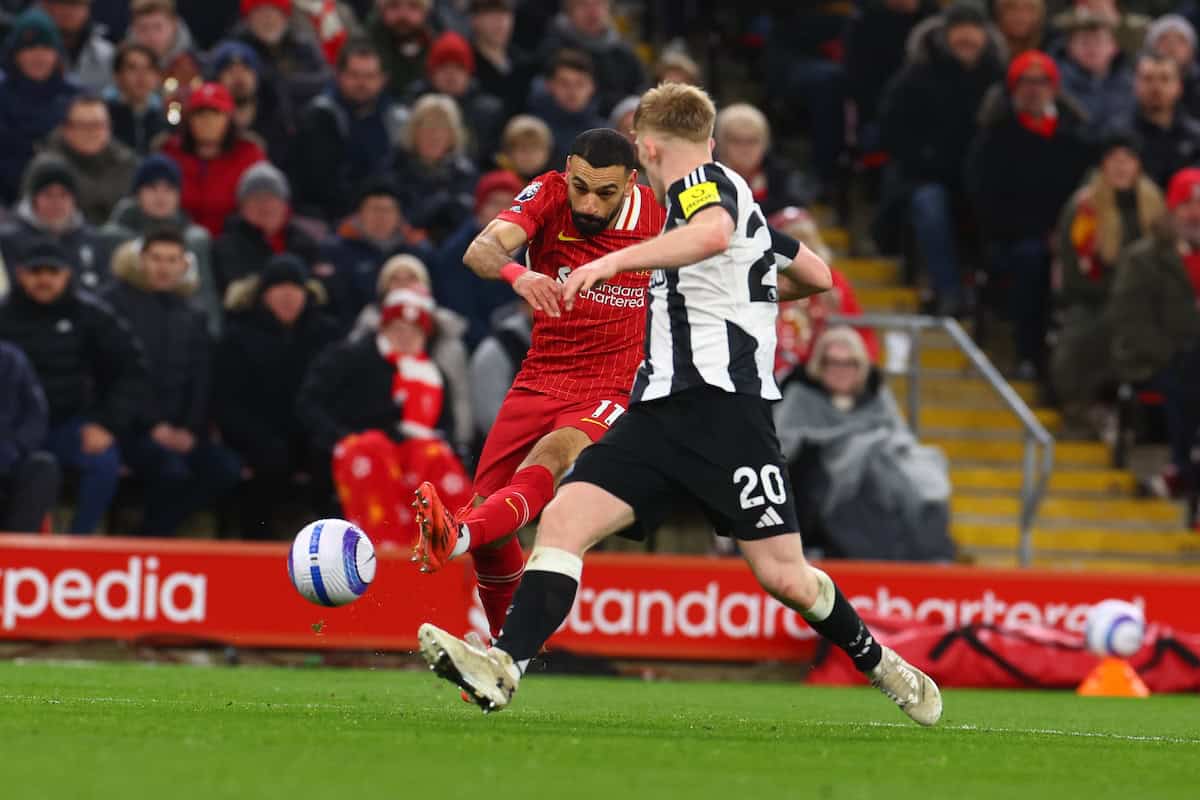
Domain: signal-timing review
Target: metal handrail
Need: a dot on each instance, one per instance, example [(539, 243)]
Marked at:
[(1035, 471)]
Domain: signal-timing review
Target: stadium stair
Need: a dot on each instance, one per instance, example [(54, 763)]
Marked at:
[(1090, 518)]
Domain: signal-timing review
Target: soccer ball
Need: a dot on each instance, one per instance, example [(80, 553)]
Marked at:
[(331, 562), (1115, 628)]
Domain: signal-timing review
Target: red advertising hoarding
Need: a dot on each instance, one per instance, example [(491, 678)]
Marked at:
[(59, 588)]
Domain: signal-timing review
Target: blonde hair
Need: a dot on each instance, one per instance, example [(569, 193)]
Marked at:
[(743, 115), (526, 128), (397, 264), (844, 335), (428, 107), (677, 59), (677, 109)]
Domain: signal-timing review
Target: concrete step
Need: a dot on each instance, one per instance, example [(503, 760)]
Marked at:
[(864, 272), (936, 358), (1181, 544), (838, 238), (1057, 510), (889, 299), (1086, 563), (1012, 451), (968, 390), (943, 418), (1104, 482)]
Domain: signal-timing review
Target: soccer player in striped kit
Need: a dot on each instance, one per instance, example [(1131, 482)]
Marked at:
[(574, 383), (699, 429)]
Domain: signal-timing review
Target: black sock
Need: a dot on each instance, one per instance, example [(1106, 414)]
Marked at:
[(846, 629), (541, 604)]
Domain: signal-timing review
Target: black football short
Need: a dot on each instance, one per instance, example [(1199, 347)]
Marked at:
[(703, 448)]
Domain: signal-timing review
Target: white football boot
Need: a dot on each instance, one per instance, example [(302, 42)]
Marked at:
[(908, 687), (489, 676)]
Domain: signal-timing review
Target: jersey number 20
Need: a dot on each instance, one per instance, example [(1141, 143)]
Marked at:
[(772, 486)]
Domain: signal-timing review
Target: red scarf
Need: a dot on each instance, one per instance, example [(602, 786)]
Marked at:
[(1191, 263), (417, 389), (1040, 126)]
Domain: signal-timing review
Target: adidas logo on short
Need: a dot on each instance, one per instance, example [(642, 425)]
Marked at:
[(769, 519)]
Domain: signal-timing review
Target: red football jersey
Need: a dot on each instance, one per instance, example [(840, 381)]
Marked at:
[(594, 349)]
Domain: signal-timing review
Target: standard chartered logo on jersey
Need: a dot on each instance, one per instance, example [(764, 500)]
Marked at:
[(608, 294)]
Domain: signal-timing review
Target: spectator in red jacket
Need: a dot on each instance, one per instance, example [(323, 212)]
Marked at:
[(212, 154)]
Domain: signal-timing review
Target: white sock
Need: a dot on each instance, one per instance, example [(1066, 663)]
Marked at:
[(464, 541)]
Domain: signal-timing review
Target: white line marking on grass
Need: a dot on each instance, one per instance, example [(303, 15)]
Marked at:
[(1025, 731), (263, 704)]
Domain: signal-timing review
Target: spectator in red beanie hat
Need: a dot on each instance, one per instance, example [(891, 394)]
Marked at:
[(455, 286), (377, 407), (291, 57), (212, 154), (450, 70), (1154, 310), (1027, 158)]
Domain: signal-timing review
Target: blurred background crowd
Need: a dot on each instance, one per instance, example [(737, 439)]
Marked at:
[(232, 230)]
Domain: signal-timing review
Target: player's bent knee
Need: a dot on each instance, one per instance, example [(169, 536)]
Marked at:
[(557, 451), (792, 585)]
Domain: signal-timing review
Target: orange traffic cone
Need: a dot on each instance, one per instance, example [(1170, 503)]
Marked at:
[(1113, 677)]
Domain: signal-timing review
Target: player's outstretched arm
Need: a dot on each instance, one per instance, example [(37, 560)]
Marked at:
[(493, 248), (490, 256), (806, 275), (706, 234)]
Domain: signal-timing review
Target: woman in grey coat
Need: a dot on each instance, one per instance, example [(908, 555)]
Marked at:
[(861, 478)]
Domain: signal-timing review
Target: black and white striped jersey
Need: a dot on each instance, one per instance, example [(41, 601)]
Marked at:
[(713, 323)]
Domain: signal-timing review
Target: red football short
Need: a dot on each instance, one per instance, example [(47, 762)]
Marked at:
[(525, 417)]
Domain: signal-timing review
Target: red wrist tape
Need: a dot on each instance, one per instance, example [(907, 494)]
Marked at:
[(512, 270)]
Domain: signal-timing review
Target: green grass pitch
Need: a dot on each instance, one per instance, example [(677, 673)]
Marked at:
[(136, 731)]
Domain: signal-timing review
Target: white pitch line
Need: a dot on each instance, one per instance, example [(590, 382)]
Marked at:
[(1034, 731), (133, 701)]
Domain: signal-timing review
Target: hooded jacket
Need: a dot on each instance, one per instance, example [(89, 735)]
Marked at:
[(135, 129), (1018, 181), (260, 366), (1152, 307), (295, 65), (87, 359), (129, 221), (242, 250), (619, 72), (91, 65), (929, 112), (339, 145), (176, 344), (29, 110), (91, 249)]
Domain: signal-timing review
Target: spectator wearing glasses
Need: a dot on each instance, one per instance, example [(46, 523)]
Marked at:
[(864, 486), (102, 165)]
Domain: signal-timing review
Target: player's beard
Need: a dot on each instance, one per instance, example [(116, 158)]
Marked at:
[(590, 225)]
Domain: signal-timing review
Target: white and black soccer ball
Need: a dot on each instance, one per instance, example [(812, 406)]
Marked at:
[(1115, 628), (331, 562)]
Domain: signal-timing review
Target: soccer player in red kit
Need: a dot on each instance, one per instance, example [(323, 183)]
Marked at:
[(575, 381)]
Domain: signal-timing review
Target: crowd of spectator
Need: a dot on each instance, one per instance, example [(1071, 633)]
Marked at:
[(232, 232)]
